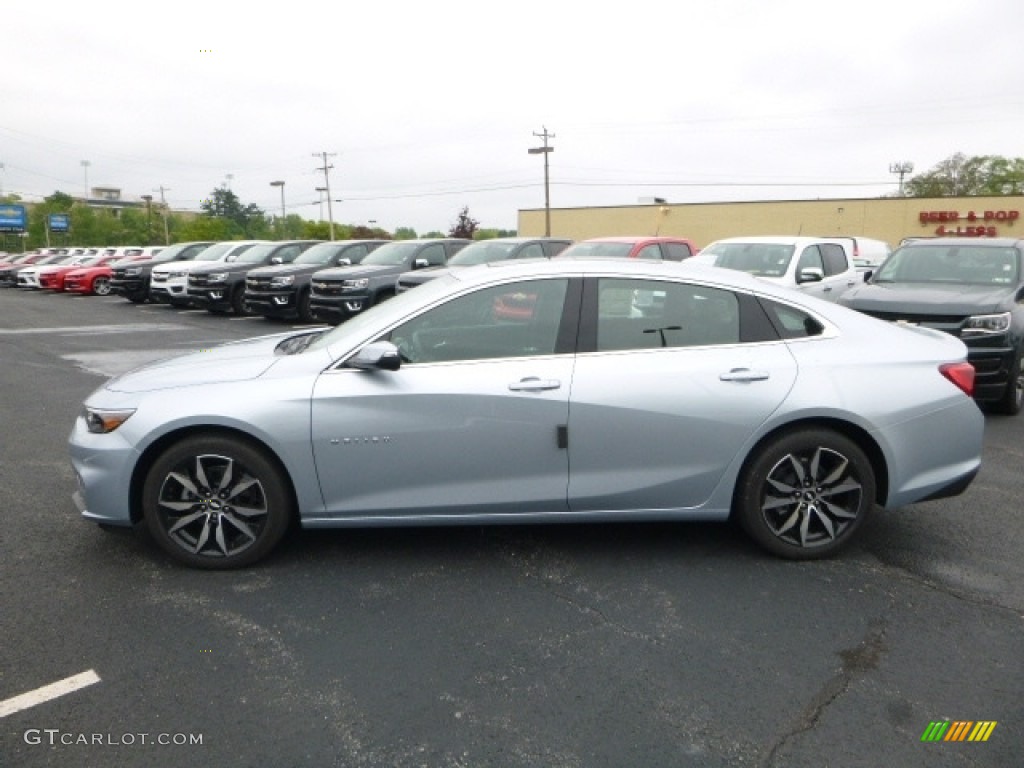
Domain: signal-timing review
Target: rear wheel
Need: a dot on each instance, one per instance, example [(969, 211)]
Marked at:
[(216, 502), (101, 286), (805, 494), (137, 298)]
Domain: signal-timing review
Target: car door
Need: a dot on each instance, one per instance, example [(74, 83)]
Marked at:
[(471, 423), (839, 276), (668, 395)]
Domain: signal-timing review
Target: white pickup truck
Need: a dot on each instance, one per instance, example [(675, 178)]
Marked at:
[(819, 266)]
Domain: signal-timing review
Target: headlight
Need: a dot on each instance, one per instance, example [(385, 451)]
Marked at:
[(217, 277), (354, 285), (101, 420), (133, 271), (282, 282), (981, 324)]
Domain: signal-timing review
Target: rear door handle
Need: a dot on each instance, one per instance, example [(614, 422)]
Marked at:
[(534, 384), (744, 374)]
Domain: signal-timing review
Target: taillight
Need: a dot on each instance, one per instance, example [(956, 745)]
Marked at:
[(961, 374)]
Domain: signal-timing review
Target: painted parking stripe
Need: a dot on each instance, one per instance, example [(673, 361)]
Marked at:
[(48, 692)]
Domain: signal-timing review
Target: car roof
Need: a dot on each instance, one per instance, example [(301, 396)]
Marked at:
[(994, 242), (636, 239), (781, 239)]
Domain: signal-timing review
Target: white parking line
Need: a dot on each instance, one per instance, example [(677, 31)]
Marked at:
[(48, 692)]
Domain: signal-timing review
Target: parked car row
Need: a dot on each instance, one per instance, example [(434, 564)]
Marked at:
[(971, 288)]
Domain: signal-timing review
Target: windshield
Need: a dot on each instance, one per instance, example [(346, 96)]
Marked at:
[(482, 253), (257, 253), (598, 250), (392, 254), (215, 252), (323, 253), (761, 259), (170, 252), (941, 263)]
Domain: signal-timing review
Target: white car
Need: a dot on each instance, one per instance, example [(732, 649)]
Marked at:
[(818, 266), (168, 283)]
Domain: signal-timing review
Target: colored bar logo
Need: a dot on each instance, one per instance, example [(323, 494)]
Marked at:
[(959, 730)]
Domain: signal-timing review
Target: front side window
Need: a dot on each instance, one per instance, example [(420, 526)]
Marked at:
[(810, 259), (651, 314), (760, 259), (512, 320), (835, 258)]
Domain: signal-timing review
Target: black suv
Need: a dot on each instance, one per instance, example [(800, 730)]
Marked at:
[(131, 278), (970, 287), (342, 292), (220, 287), (486, 252), (282, 290)]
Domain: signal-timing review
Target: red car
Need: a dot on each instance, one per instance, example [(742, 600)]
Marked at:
[(632, 247), (54, 277), (95, 278)]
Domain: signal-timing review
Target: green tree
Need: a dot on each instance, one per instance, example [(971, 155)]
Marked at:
[(963, 176), (405, 233), (465, 226), (248, 222)]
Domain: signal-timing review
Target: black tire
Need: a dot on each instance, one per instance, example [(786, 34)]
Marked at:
[(244, 513), (137, 298), (101, 285), (238, 300), (804, 494), (303, 308), (1013, 396)]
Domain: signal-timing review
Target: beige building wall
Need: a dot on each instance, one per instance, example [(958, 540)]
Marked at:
[(889, 219)]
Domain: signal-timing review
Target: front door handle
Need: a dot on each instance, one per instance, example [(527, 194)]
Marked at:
[(743, 374), (534, 384)]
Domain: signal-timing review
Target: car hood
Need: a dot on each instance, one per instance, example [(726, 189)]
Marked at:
[(276, 270), (237, 361), (928, 298), (356, 270)]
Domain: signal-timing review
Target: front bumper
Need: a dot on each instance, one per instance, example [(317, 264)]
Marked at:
[(129, 286), (993, 367), (337, 309), (103, 467), (272, 303)]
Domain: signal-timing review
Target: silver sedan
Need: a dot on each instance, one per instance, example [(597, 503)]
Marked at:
[(539, 392)]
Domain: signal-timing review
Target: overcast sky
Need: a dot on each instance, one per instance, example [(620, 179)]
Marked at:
[(427, 107)]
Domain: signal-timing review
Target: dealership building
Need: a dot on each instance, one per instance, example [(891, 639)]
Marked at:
[(889, 218)]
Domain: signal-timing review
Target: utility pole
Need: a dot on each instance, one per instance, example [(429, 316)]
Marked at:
[(163, 206), (327, 185), (545, 150), (902, 169)]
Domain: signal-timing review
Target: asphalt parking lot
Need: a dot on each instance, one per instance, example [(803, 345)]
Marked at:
[(615, 645)]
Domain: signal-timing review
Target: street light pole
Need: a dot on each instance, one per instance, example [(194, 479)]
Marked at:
[(85, 166), (281, 185), (901, 169), (149, 218), (545, 150), (321, 191)]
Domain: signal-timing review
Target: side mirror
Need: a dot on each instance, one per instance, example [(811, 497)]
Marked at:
[(377, 355), (343, 263), (276, 260), (810, 275), (420, 264)]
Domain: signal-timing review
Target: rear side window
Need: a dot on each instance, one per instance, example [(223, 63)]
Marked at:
[(790, 322), (650, 314), (651, 252)]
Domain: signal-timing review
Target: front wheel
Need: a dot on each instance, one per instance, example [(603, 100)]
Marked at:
[(1013, 396), (216, 502), (101, 286), (804, 495)]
